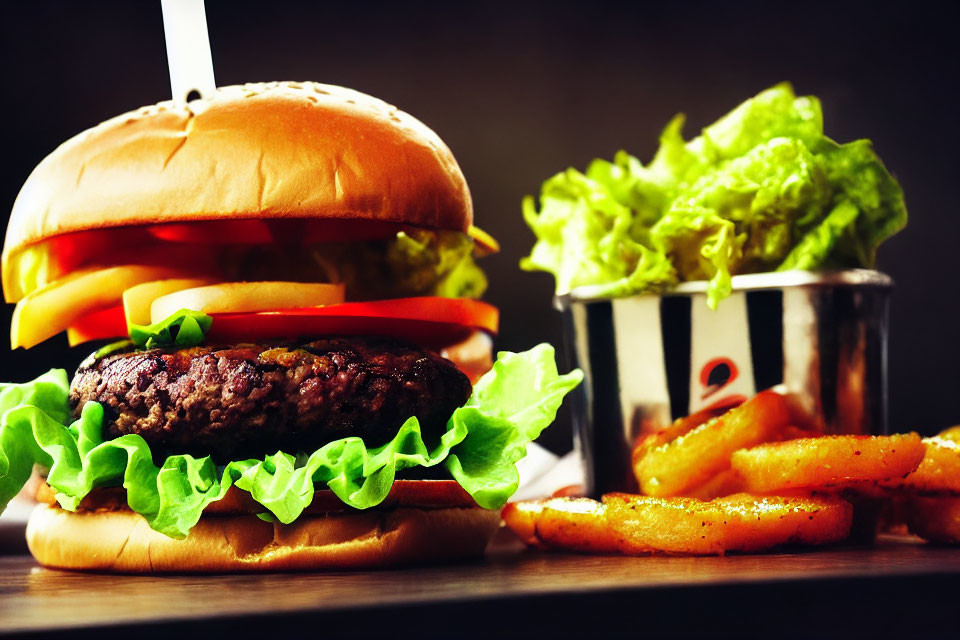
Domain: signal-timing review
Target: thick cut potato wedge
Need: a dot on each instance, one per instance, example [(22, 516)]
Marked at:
[(521, 518), (792, 433), (47, 311), (938, 473), (247, 297), (725, 483), (936, 519), (137, 299), (673, 463), (739, 522), (953, 433), (679, 427), (827, 462), (573, 524), (638, 525)]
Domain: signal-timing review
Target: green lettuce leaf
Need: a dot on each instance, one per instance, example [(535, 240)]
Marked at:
[(761, 189), (18, 448), (414, 262), (815, 247), (586, 237), (702, 246), (185, 328), (509, 407), (774, 113), (861, 179), (437, 263)]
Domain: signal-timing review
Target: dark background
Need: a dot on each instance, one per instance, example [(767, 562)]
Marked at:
[(522, 90)]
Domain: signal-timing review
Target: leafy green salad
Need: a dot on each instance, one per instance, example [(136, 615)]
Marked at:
[(761, 189)]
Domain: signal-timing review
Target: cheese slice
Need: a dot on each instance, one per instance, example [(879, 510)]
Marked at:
[(51, 309)]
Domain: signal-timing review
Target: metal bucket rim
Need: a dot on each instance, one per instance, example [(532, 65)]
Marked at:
[(745, 282)]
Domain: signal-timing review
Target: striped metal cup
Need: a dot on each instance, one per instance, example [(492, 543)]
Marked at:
[(821, 338)]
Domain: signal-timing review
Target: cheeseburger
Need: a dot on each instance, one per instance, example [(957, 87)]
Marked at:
[(293, 368)]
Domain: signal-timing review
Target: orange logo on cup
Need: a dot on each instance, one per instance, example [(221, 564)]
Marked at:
[(716, 375)]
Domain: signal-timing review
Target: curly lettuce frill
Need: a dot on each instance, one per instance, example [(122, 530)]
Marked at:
[(485, 438)]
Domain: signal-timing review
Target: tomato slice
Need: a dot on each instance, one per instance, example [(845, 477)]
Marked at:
[(99, 325), (256, 231), (429, 321), (403, 493)]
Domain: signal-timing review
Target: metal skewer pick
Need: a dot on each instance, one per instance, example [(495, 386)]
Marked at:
[(188, 49)]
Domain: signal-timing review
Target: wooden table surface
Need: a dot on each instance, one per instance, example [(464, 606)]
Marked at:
[(898, 586)]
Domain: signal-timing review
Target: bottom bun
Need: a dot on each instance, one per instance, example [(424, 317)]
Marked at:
[(122, 541)]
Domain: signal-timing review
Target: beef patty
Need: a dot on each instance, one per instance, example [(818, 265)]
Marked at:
[(235, 402)]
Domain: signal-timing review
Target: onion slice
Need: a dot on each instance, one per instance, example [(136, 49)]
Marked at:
[(247, 297), (138, 299)]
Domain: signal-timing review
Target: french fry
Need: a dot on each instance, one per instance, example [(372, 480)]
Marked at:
[(938, 473), (935, 519), (638, 525), (573, 524), (521, 518), (725, 483), (953, 433), (805, 488), (735, 523), (828, 462), (792, 432), (679, 427), (675, 463)]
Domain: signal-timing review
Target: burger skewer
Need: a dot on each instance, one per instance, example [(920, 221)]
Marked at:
[(188, 49)]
